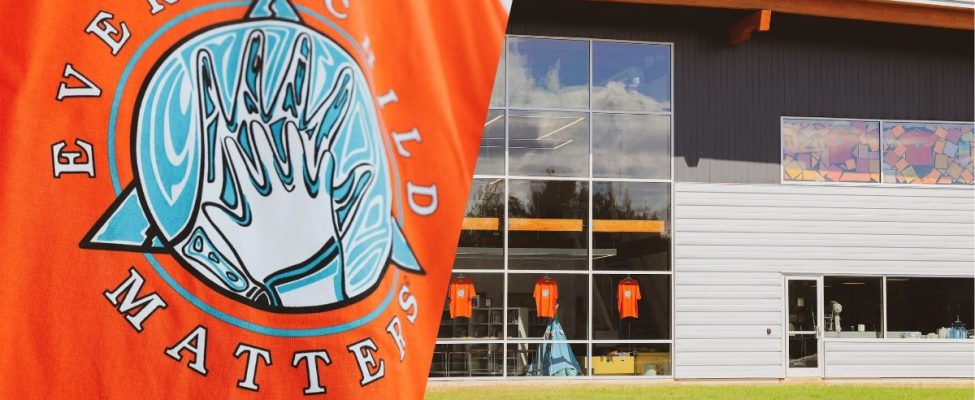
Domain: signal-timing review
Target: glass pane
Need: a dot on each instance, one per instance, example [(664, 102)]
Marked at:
[(545, 143), (640, 359), (803, 351), (831, 150), (802, 305), (630, 76), (630, 307), (852, 307), (930, 308), (552, 73), (474, 308), (538, 305), (928, 153), (631, 228), (548, 224), (497, 95), (546, 359), (490, 158), (481, 239), (631, 146), (450, 360)]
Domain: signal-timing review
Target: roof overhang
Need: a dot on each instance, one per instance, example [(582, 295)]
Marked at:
[(953, 14)]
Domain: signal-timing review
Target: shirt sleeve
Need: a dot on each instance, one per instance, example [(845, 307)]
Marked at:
[(619, 297)]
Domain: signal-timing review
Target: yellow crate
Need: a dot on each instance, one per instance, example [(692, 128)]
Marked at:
[(613, 365)]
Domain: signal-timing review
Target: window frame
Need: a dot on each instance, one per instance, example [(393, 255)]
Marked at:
[(883, 308), (880, 133), (588, 178)]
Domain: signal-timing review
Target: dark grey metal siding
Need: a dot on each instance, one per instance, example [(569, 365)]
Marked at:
[(728, 99)]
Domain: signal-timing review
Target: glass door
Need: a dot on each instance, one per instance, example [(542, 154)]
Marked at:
[(803, 327)]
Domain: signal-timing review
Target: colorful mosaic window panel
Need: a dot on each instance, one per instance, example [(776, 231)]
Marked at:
[(928, 153), (830, 150)]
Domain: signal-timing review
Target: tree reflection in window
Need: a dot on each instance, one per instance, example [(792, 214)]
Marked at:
[(547, 224), (631, 228)]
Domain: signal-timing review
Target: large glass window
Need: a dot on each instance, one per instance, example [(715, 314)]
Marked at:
[(535, 301), (498, 94), (630, 307), (548, 225), (549, 73), (929, 308), (552, 358), (474, 307), (924, 152), (631, 146), (481, 243), (564, 262), (467, 360), (630, 76), (548, 143), (631, 226), (853, 307), (490, 157), (633, 359)]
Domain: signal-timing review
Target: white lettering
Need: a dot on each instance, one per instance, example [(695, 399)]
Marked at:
[(253, 353), (89, 90), (196, 343), (395, 329), (156, 7), (407, 302), (363, 352), (104, 30), (389, 97), (429, 191), (310, 358), (143, 307), (70, 164), (412, 135), (330, 5)]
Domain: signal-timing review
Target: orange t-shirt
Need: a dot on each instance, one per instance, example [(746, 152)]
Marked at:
[(546, 295), (461, 292), (627, 295)]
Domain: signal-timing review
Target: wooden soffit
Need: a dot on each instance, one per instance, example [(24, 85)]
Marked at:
[(892, 11)]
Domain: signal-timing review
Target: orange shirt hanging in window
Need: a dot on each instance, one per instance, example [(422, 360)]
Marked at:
[(546, 295), (627, 296), (461, 291)]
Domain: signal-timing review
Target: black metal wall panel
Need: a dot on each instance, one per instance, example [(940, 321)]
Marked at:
[(728, 99)]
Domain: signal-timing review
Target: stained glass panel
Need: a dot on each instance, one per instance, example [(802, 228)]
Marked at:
[(830, 150), (928, 153)]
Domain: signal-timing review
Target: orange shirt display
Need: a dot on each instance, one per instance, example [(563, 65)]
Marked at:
[(627, 296), (546, 295), (461, 291)]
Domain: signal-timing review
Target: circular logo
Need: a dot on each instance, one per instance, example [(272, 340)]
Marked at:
[(260, 166)]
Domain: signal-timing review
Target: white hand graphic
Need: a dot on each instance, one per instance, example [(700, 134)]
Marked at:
[(270, 178)]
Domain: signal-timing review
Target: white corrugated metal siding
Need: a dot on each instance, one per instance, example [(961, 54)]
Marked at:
[(904, 359), (733, 242)]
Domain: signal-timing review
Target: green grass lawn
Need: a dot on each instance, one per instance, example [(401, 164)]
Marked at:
[(601, 391)]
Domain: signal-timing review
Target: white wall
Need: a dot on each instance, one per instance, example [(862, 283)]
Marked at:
[(733, 242), (921, 358)]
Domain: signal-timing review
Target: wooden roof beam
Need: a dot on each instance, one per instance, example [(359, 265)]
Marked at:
[(741, 31), (889, 11)]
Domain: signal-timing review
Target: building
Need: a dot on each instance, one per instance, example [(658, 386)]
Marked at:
[(791, 189)]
